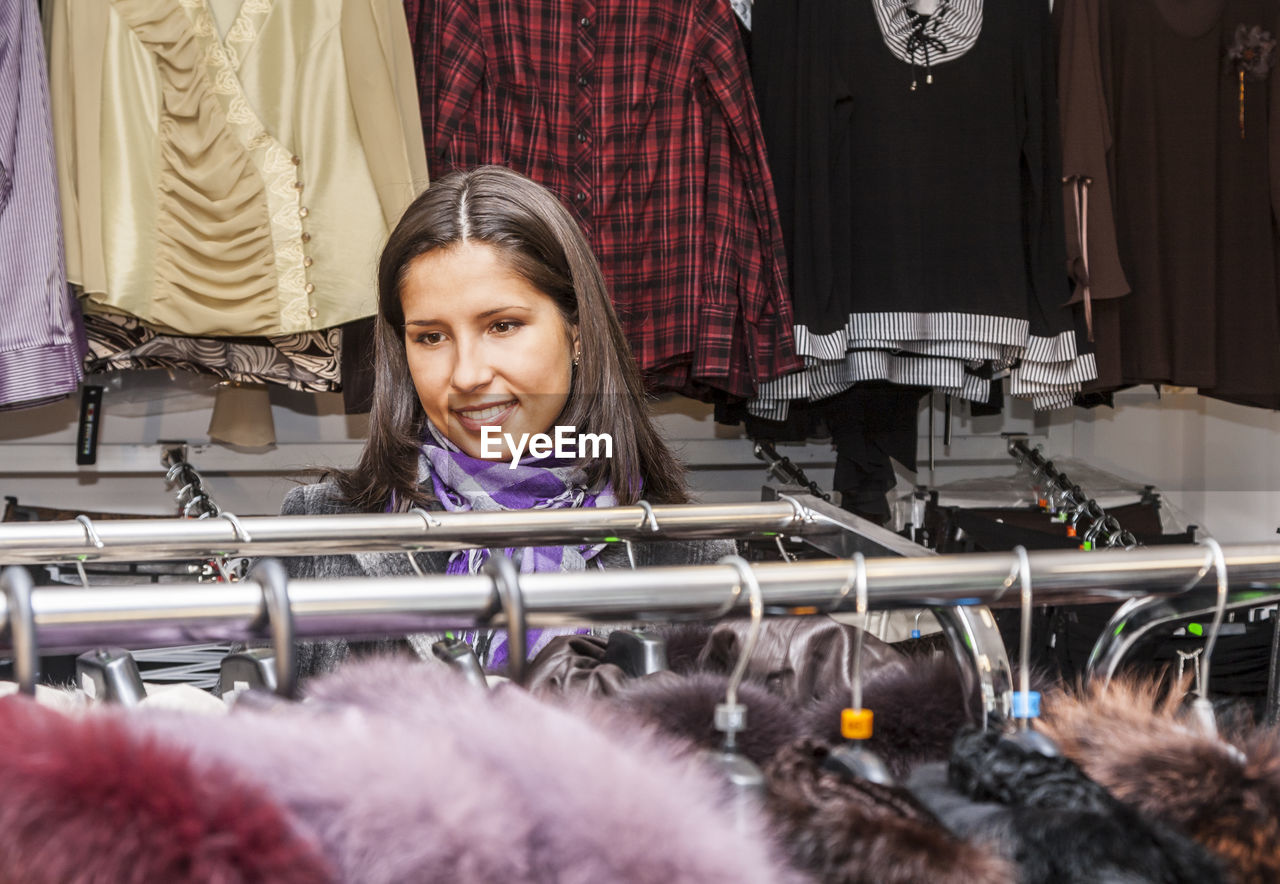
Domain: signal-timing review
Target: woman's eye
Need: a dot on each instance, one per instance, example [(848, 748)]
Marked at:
[(430, 338), (503, 326)]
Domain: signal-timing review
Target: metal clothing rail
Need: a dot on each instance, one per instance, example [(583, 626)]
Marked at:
[(73, 619), (227, 535)]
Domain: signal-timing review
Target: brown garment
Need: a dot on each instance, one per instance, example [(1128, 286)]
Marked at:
[(1086, 141), (1194, 201), (798, 658)]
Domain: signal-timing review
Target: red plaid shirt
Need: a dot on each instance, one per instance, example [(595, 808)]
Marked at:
[(639, 115)]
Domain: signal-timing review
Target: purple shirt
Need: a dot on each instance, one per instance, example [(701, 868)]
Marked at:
[(41, 338)]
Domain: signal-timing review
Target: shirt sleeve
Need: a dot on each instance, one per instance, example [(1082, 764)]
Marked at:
[(10, 69), (451, 62), (746, 336)]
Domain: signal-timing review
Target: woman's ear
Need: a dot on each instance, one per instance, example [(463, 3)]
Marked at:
[(575, 344)]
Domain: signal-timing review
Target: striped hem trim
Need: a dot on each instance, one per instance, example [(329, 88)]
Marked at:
[(1061, 348), (976, 327), (1077, 371), (1047, 386), (969, 351)]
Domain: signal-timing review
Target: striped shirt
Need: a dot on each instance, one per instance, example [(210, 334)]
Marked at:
[(41, 339)]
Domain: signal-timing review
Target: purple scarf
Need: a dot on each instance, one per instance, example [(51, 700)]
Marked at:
[(464, 483)]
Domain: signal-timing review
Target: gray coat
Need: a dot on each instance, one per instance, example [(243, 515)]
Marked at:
[(325, 499)]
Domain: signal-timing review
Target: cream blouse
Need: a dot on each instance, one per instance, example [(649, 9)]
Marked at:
[(233, 174)]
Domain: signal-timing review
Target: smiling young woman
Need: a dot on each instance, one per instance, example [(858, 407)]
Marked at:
[(493, 315)]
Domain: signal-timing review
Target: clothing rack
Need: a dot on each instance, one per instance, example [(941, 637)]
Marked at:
[(418, 531), (785, 470), (1068, 501), (194, 500), (72, 619)]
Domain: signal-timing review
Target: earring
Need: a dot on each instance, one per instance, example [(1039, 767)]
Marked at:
[(576, 357)]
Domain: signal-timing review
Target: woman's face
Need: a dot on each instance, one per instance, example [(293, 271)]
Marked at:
[(485, 347)]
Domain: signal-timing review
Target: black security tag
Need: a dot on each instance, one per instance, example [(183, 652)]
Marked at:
[(90, 418)]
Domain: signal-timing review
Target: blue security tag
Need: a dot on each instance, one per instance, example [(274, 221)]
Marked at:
[(1026, 705)]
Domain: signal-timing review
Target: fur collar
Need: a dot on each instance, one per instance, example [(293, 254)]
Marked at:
[(1223, 792)]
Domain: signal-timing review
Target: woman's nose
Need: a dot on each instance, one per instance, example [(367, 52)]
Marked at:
[(472, 369)]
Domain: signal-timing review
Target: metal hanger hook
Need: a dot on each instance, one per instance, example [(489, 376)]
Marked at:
[(430, 520), (1023, 566), (506, 584), (242, 535), (746, 577), (271, 576), (803, 515), (649, 517), (15, 586), (1220, 565), (860, 608), (90, 533)]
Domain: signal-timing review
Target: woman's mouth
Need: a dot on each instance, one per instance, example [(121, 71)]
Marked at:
[(474, 417)]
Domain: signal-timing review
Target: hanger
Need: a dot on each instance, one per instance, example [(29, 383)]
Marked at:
[(242, 536), (107, 674), (744, 778), (460, 657), (110, 675), (851, 758), (431, 522), (648, 517), (635, 652), (1201, 706), (1026, 702), (506, 584), (274, 668), (20, 624)]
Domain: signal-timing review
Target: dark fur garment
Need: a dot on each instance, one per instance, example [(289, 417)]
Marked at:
[(856, 832), (918, 705), (1222, 791), (1064, 827), (685, 708)]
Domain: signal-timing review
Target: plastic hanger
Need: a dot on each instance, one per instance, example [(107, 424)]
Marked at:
[(274, 668), (110, 675), (745, 780), (461, 657), (20, 624), (851, 758), (1026, 702), (636, 653), (107, 674), (506, 583)]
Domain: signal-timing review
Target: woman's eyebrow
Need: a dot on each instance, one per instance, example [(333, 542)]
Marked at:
[(483, 315), (486, 314)]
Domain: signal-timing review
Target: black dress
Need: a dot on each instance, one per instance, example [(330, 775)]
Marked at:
[(923, 225)]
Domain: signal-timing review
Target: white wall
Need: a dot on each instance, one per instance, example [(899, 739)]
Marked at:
[(1216, 463)]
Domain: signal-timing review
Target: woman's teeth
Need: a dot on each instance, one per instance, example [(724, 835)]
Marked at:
[(486, 413)]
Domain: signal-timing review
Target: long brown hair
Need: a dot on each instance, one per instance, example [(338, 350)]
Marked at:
[(539, 240)]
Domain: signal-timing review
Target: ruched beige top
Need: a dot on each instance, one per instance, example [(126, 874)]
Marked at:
[(232, 167)]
